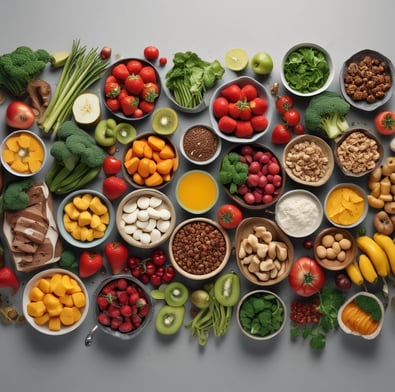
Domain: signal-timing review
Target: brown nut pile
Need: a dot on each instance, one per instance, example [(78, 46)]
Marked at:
[(262, 256), (358, 152), (367, 80), (307, 161), (199, 248), (381, 184), (333, 247)]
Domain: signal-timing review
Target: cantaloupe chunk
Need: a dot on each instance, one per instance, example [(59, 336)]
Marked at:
[(54, 324), (79, 299), (66, 316)]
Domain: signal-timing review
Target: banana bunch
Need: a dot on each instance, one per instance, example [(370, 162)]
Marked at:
[(376, 260)]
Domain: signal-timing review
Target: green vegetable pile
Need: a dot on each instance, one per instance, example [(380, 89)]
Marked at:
[(14, 197), (77, 159), (233, 172), (82, 68), (306, 69), (191, 77), (369, 305), (20, 67), (330, 301), (261, 315), (327, 112), (69, 261)]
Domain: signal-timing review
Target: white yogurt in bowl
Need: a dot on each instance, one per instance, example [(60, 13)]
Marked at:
[(299, 213)]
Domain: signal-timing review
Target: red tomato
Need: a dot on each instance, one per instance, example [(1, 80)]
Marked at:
[(220, 107), (159, 257), (229, 216), (281, 134), (19, 115), (249, 92), (291, 117), (151, 53), (148, 74), (227, 124), (284, 103), (117, 256), (134, 66), (111, 165), (298, 129), (114, 187), (232, 92), (258, 105), (259, 123), (306, 277), (384, 122), (90, 263), (163, 61), (134, 84)]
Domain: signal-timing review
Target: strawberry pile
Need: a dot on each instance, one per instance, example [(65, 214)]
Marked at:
[(132, 88), (240, 111), (122, 305)]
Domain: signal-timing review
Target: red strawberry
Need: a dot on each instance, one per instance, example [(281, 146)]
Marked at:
[(146, 106), (126, 327), (112, 89), (232, 92), (104, 319), (258, 105), (133, 298), (129, 104), (116, 322), (114, 187), (136, 320), (102, 302), (150, 92), (123, 297), (8, 278), (244, 129), (122, 284), (134, 84), (227, 124), (144, 310), (126, 310), (113, 104), (120, 71), (89, 263), (117, 255)]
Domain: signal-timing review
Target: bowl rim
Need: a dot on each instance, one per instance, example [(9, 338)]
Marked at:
[(224, 261), (309, 194), (363, 105), (107, 73), (67, 237), (7, 167), (207, 161), (25, 300), (327, 150), (281, 236), (348, 331), (147, 319), (242, 80), (211, 177), (257, 292), (127, 146), (328, 58), (336, 265), (145, 192), (345, 135), (363, 195)]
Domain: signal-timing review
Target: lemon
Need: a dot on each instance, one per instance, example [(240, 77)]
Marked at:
[(236, 59)]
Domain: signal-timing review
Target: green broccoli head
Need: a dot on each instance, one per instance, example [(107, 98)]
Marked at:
[(15, 197), (20, 67), (62, 154), (90, 153), (327, 111)]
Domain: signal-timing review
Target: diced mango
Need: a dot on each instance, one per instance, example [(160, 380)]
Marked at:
[(132, 164), (71, 210), (51, 301), (138, 148), (167, 152), (66, 316), (84, 218), (36, 294), (66, 300), (12, 144), (44, 285), (79, 299), (36, 309), (54, 280), (19, 166), (105, 218), (95, 221), (42, 320), (157, 143), (8, 156), (80, 203), (77, 313), (75, 287), (97, 234), (53, 312), (97, 206), (54, 324)]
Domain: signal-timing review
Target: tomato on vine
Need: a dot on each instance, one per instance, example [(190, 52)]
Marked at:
[(284, 103)]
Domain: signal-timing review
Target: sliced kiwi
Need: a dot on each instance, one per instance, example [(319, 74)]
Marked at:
[(164, 121), (176, 294), (227, 289), (124, 132), (169, 319)]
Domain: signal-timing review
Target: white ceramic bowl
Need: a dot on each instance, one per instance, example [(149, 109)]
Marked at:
[(299, 213), (262, 92), (135, 231), (200, 145), (325, 85), (67, 235), (9, 144), (267, 296), (33, 282)]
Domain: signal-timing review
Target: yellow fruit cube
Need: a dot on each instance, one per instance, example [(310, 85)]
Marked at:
[(81, 203), (36, 294), (79, 299), (51, 301), (66, 300), (67, 316), (77, 313), (71, 210), (8, 156), (42, 320), (44, 285), (54, 281), (95, 221), (54, 324), (75, 287), (105, 218), (98, 234), (55, 311), (36, 309), (97, 206), (84, 218)]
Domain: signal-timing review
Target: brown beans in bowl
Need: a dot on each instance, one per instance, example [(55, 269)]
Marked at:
[(199, 248)]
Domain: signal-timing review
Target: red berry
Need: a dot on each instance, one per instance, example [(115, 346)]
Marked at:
[(126, 311), (122, 283), (126, 327), (163, 61), (104, 319), (102, 302)]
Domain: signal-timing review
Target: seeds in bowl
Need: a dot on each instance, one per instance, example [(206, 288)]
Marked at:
[(200, 143), (307, 161), (333, 247), (199, 247)]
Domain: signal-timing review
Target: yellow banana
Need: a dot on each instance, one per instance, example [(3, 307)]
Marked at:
[(375, 253), (387, 243), (367, 269), (354, 273)]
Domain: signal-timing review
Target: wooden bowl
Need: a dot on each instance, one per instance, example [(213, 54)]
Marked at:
[(348, 248), (319, 160), (347, 167), (265, 232)]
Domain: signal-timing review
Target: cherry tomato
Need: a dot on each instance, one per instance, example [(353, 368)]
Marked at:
[(159, 257), (105, 52), (284, 103), (384, 122), (163, 61), (111, 165), (306, 277), (150, 268), (169, 274), (342, 281), (307, 244), (151, 53), (155, 280), (133, 262), (291, 117), (229, 216), (298, 129), (19, 115)]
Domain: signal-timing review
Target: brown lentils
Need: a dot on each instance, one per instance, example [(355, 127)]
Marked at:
[(199, 248), (200, 143)]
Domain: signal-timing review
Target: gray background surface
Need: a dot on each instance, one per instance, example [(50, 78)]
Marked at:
[(29, 361)]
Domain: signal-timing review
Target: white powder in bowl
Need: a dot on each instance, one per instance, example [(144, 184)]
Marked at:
[(299, 213)]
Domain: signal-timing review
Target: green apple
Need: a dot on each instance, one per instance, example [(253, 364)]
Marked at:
[(262, 63)]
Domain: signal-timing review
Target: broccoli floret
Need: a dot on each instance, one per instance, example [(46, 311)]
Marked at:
[(69, 128), (15, 197), (20, 67), (232, 171), (327, 112), (63, 155), (90, 153), (233, 157)]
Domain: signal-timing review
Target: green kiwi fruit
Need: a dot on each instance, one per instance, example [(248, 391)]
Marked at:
[(169, 319), (176, 294), (124, 132), (227, 289), (164, 121)]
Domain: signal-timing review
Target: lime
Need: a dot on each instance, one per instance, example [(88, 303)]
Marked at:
[(236, 59)]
